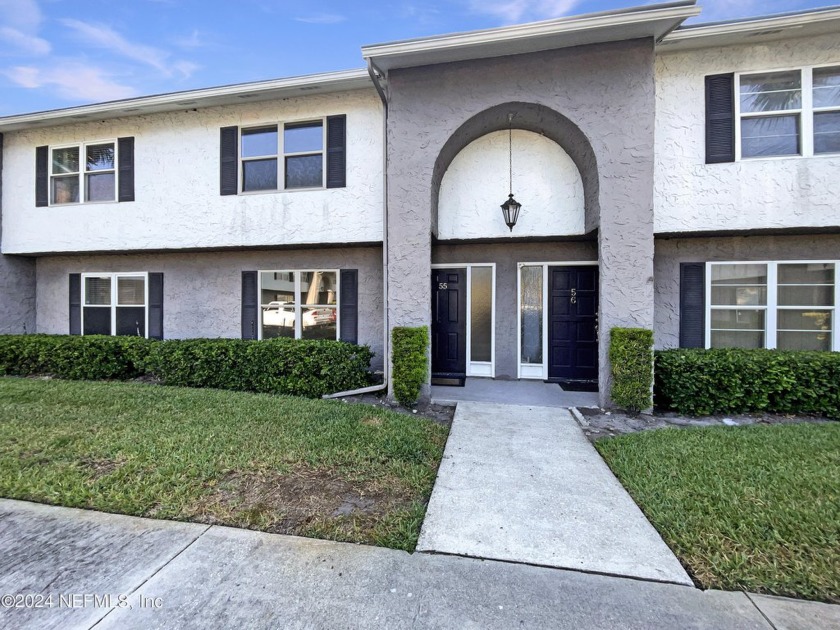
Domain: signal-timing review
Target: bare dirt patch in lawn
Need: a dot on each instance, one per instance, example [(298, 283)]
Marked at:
[(100, 467), (291, 502), (600, 423)]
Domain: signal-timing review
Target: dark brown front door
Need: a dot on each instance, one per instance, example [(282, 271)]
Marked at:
[(573, 323), (449, 322)]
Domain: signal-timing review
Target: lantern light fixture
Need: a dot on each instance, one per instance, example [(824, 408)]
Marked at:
[(511, 207)]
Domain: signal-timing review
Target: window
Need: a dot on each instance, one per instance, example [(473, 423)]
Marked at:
[(784, 305), (85, 172), (114, 304), (287, 161), (791, 112), (299, 304)]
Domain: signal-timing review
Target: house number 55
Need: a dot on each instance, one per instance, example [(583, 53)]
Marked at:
[(442, 285)]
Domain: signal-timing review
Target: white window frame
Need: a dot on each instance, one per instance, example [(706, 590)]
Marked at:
[(772, 307), (478, 368), (298, 306), (806, 113), (538, 371), (281, 156), (82, 146), (114, 276)]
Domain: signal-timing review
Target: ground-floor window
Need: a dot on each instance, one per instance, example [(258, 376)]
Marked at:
[(784, 305), (114, 304), (299, 304)]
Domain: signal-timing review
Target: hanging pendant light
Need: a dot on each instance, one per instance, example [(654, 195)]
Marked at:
[(510, 208)]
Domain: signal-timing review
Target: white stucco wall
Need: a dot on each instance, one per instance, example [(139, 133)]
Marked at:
[(178, 204), (545, 181), (690, 195)]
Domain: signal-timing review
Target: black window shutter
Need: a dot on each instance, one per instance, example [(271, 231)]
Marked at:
[(336, 151), (229, 157), (692, 305), (75, 304), (156, 306), (125, 153), (250, 305), (42, 176), (348, 305), (720, 118)]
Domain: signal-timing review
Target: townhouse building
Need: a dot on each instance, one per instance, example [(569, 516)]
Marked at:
[(679, 178)]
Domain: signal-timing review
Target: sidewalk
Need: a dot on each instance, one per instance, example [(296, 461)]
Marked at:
[(524, 484), (181, 575)]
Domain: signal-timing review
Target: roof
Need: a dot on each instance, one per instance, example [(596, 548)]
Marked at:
[(655, 20), (206, 97), (766, 28)]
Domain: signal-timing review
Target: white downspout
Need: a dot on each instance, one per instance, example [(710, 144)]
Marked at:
[(386, 345)]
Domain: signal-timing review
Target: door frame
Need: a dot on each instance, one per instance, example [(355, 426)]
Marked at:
[(478, 368), (533, 370)]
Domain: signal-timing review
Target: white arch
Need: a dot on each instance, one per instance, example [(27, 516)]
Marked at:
[(545, 181)]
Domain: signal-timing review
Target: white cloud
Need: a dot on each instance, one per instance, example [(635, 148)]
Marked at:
[(25, 43), (72, 80), (322, 18), (103, 36), (511, 11), (23, 15)]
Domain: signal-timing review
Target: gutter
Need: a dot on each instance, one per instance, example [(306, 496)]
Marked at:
[(386, 346)]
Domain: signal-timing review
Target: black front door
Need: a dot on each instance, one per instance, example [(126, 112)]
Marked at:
[(449, 322), (573, 323)]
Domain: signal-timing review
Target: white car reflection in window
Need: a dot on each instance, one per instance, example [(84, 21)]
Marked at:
[(283, 314)]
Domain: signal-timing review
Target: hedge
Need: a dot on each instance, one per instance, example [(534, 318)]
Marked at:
[(410, 364), (309, 368), (92, 357), (702, 382), (631, 361)]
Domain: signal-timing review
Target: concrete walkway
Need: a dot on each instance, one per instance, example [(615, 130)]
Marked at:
[(524, 484), (177, 575), (522, 392)]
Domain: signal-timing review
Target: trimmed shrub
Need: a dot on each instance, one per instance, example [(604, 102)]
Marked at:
[(701, 382), (411, 365), (91, 357), (631, 360), (277, 366), (309, 368)]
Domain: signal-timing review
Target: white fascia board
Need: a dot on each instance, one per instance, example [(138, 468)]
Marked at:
[(768, 28), (207, 97), (654, 21)]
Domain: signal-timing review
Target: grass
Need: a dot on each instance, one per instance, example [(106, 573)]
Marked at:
[(309, 467), (754, 508)]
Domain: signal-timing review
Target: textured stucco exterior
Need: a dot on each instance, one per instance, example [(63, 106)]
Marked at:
[(178, 204), (474, 187), (691, 196), (506, 256), (17, 295), (605, 95), (203, 291), (670, 252)]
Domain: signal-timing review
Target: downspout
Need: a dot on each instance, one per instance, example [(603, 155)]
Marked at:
[(375, 77)]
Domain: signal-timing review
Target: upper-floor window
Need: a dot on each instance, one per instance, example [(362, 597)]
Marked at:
[(86, 172), (791, 112), (284, 157), (83, 172)]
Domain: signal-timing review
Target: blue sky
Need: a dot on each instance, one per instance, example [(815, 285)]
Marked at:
[(60, 53)]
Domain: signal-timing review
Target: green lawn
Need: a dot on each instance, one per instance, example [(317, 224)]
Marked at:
[(754, 508), (308, 467)]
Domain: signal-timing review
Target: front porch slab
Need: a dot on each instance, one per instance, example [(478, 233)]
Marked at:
[(523, 484), (523, 392)]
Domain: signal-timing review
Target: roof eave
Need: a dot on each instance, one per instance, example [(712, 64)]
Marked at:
[(330, 82)]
